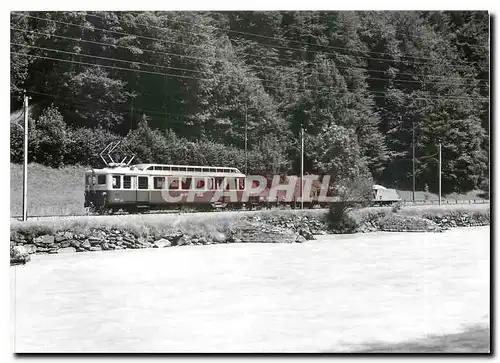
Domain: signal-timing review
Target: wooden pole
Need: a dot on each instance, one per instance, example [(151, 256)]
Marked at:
[(25, 168), (246, 140), (301, 167), (439, 173)]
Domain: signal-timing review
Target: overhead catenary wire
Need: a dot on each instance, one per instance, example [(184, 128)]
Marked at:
[(198, 46), (197, 71), (194, 70), (195, 78), (107, 106), (223, 59), (109, 59), (260, 36)]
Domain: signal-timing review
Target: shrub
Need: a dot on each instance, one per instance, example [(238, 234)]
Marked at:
[(51, 138), (398, 222), (338, 219), (485, 187), (397, 207)]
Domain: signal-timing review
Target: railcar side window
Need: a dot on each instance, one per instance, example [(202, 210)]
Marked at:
[(230, 184), (159, 182), (127, 182), (186, 183), (241, 184), (174, 183), (101, 179), (116, 181), (219, 182), (143, 182), (200, 183)]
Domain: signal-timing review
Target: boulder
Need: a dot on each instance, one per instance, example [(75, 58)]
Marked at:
[(19, 255), (46, 239), (105, 246), (60, 237), (75, 243), (184, 241), (30, 248), (86, 245), (161, 243), (219, 237), (306, 233), (174, 237), (66, 250), (300, 239), (96, 248)]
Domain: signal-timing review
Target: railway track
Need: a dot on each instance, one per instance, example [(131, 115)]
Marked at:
[(187, 211)]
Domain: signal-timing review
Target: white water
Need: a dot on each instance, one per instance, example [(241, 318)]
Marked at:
[(335, 294)]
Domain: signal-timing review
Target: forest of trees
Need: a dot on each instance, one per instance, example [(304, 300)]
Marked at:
[(180, 87)]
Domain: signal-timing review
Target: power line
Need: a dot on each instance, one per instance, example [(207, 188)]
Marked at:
[(260, 36), (215, 58), (190, 70), (197, 46), (171, 75), (207, 79), (103, 66), (288, 48), (108, 105), (110, 59)]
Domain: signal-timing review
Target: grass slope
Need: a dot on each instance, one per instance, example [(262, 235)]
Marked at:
[(50, 191)]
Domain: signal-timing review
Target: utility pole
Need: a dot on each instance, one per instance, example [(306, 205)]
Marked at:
[(246, 140), (25, 169), (440, 173), (413, 146), (301, 167)]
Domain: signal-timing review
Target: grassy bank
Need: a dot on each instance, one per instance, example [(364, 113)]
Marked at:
[(212, 221), (50, 191)]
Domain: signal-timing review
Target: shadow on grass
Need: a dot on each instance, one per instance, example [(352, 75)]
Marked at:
[(474, 340)]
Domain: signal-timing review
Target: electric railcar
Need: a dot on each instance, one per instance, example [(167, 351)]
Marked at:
[(145, 187)]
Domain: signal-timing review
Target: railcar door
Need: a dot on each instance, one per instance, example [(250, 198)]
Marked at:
[(142, 195)]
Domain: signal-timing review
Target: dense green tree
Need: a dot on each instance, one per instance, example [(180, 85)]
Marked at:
[(210, 78)]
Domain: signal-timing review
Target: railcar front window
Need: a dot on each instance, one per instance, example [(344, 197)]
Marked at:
[(101, 179), (116, 181), (127, 182)]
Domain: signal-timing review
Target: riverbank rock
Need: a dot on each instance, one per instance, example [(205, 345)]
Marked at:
[(19, 255), (66, 250), (162, 243)]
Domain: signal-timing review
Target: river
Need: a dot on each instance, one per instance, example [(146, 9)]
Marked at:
[(336, 294)]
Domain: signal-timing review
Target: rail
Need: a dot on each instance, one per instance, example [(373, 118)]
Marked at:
[(187, 210)]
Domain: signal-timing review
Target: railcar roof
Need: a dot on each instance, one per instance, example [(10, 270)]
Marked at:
[(180, 170)]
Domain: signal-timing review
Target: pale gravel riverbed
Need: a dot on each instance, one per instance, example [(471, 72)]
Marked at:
[(337, 294)]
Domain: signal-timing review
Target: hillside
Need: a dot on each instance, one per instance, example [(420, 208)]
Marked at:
[(196, 87), (50, 191)]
